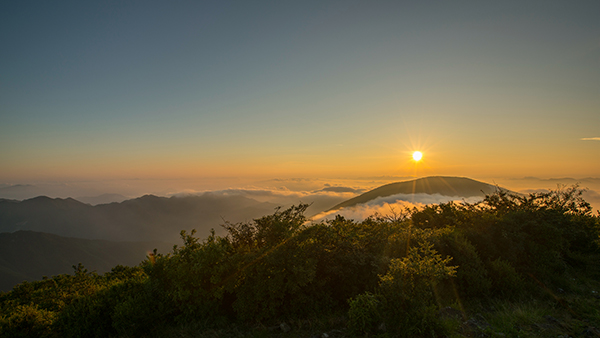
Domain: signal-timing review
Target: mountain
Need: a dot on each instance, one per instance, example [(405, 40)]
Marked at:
[(148, 218), (18, 191), (102, 199), (29, 255), (26, 191), (460, 187)]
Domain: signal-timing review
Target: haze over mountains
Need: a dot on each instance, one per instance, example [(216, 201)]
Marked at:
[(29, 255), (147, 218), (47, 236)]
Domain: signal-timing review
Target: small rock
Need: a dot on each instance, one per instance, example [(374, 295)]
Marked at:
[(449, 312), (591, 332), (475, 326), (324, 335), (551, 319), (284, 327)]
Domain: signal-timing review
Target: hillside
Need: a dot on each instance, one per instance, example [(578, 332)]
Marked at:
[(29, 255), (448, 186), (147, 218), (102, 199)]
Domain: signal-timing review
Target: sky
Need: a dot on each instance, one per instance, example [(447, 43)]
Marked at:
[(230, 91)]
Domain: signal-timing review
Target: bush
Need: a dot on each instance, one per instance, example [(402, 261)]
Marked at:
[(364, 314), (27, 321), (472, 277), (138, 313), (91, 314), (408, 292), (506, 281), (191, 283), (279, 282)]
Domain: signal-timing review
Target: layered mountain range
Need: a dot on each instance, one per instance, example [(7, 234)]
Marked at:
[(142, 219), (47, 236)]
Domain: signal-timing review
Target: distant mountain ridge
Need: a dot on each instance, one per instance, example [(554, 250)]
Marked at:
[(145, 218), (443, 185), (102, 199)]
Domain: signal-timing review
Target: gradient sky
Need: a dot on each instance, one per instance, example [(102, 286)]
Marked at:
[(178, 89)]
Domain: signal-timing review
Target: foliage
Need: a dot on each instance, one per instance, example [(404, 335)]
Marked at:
[(27, 321), (506, 281), (397, 271), (364, 315), (408, 291), (63, 303), (91, 315), (472, 277)]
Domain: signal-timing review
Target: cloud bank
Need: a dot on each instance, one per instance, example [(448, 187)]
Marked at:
[(590, 139), (387, 206), (319, 200)]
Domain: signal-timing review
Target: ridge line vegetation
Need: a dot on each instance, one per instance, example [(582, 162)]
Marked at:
[(418, 273)]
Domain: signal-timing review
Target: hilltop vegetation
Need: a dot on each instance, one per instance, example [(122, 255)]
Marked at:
[(508, 266)]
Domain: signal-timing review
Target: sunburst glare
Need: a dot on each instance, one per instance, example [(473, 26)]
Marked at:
[(417, 156)]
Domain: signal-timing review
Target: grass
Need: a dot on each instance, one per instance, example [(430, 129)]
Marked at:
[(574, 313)]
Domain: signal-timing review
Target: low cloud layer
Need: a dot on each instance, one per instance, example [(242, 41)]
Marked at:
[(319, 200), (591, 139), (387, 206), (323, 194)]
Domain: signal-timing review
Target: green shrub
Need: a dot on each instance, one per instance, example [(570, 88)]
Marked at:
[(506, 281), (405, 237), (138, 313), (27, 321), (279, 282), (350, 256), (407, 292), (472, 278), (91, 314), (364, 314)]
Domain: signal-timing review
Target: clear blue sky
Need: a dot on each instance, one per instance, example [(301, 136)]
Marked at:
[(118, 89)]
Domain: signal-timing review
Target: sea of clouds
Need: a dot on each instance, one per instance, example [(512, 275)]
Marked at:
[(322, 194), (390, 205)]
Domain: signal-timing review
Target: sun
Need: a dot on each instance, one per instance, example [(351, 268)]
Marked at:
[(417, 156)]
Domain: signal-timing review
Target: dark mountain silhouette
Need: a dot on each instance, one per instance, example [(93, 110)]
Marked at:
[(147, 218), (442, 185), (25, 191), (341, 189), (102, 199), (29, 255)]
